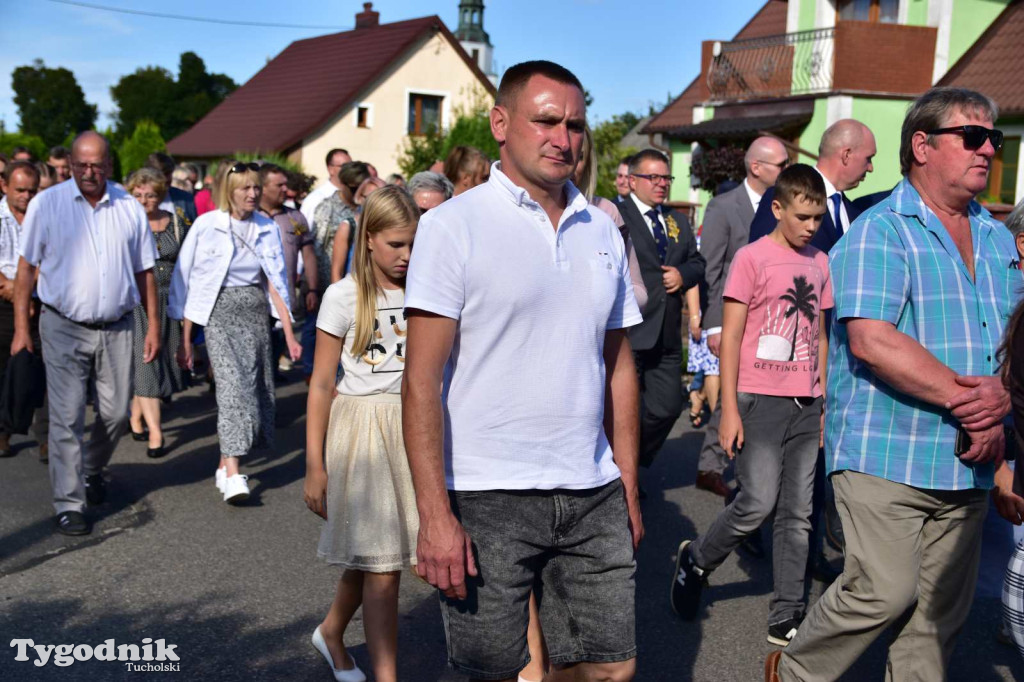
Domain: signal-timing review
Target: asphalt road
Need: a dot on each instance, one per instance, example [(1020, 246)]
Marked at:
[(239, 590)]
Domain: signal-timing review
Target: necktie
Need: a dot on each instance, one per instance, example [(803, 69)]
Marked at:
[(837, 216), (660, 240)]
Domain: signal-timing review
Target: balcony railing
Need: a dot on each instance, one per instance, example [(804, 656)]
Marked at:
[(772, 66), (852, 56)]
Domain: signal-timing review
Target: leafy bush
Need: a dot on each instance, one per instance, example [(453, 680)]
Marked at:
[(34, 143), (715, 165)]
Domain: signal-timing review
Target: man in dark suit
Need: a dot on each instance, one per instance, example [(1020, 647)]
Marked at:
[(669, 264), (844, 158), (726, 229)]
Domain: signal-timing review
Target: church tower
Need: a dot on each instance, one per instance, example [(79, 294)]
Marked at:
[(473, 38)]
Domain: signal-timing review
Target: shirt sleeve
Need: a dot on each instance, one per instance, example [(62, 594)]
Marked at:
[(827, 301), (869, 275), (337, 311), (625, 311), (306, 234), (437, 269), (739, 285), (144, 254), (33, 233)]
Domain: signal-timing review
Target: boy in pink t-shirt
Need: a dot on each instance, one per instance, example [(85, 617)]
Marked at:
[(773, 352)]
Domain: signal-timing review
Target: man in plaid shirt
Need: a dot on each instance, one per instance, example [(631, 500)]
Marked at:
[(923, 288)]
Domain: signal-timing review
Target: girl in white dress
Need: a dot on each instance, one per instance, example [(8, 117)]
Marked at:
[(365, 491)]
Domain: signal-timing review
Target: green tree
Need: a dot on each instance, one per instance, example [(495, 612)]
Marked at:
[(50, 102), (152, 93), (608, 149), (145, 140), (34, 143)]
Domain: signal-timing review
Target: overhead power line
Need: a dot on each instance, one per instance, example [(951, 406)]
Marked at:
[(205, 20)]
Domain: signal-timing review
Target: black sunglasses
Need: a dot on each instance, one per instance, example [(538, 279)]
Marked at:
[(241, 167), (974, 136)]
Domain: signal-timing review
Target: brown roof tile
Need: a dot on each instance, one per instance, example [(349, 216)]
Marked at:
[(993, 65), (304, 87), (770, 20)]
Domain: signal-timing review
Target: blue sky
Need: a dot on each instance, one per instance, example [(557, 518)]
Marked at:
[(627, 58)]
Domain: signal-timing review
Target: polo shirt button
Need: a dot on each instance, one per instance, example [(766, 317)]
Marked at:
[(984, 324), (609, 266), (989, 358)]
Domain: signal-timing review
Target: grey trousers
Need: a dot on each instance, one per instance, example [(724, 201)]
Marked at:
[(911, 563), (71, 353), (712, 457), (775, 471)]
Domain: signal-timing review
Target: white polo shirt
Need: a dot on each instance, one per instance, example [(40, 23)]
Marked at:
[(87, 256), (524, 387)]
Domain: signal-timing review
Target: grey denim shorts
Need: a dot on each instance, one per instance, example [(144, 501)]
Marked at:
[(573, 548)]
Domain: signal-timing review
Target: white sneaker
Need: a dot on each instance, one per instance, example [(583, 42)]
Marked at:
[(353, 675), (236, 489), (222, 475)]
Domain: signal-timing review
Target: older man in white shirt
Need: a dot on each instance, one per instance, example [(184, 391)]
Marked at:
[(336, 158), (91, 246)]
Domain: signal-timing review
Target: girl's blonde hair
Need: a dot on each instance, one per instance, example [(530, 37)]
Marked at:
[(227, 182), (388, 207), (586, 177)]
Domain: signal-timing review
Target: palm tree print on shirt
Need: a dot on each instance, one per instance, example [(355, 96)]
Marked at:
[(801, 299)]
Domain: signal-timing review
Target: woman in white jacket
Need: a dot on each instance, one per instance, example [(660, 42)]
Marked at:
[(230, 273)]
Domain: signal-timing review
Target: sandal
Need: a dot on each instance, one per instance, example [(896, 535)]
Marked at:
[(697, 420)]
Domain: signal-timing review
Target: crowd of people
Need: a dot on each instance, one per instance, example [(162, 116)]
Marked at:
[(858, 364)]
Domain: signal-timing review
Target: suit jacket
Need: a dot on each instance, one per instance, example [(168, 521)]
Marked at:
[(824, 239), (184, 204), (726, 229), (663, 315)]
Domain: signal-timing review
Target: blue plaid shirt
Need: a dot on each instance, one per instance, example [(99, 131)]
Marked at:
[(899, 264)]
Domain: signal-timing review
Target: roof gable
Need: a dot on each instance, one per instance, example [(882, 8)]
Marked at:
[(306, 85), (769, 20), (994, 63)]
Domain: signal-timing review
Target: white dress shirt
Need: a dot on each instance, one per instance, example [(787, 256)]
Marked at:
[(830, 189), (10, 237), (314, 198), (755, 198), (644, 208), (87, 256), (537, 297)]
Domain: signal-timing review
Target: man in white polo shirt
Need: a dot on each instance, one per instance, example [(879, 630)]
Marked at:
[(520, 401)]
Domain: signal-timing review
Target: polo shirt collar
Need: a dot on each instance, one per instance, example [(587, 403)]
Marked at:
[(574, 199)]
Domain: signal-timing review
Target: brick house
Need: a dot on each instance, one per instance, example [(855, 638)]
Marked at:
[(365, 90), (799, 65)]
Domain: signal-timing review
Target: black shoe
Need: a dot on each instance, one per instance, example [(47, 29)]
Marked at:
[(783, 633), (72, 523), (157, 452), (139, 436), (5, 446), (687, 583), (753, 545), (95, 489)]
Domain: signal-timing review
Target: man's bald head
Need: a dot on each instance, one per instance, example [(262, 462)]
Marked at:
[(845, 153), (93, 142), (765, 158)]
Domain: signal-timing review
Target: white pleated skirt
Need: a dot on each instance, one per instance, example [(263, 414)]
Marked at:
[(372, 519)]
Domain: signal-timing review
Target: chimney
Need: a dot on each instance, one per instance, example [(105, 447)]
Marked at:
[(367, 18)]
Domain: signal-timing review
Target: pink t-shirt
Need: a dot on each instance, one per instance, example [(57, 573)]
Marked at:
[(785, 292)]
